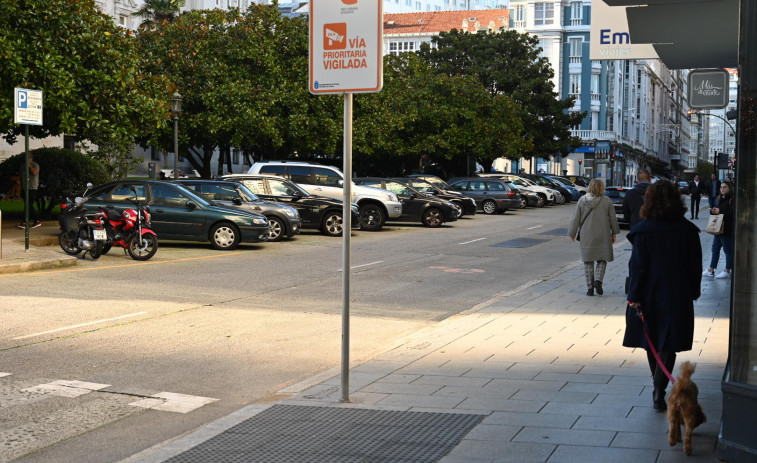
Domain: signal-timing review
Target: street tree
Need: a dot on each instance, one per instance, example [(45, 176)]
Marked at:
[(87, 68), (508, 63), (155, 12)]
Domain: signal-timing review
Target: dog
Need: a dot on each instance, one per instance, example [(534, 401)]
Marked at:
[(683, 408)]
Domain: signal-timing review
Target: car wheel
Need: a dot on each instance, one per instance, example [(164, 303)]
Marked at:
[(371, 217), (460, 213), (224, 236), (489, 207), (432, 217), (332, 224), (523, 203), (541, 201), (276, 232)]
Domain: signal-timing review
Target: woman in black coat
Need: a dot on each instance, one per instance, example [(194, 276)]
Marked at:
[(665, 277), (723, 205)]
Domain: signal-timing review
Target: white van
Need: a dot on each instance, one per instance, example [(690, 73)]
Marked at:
[(317, 179)]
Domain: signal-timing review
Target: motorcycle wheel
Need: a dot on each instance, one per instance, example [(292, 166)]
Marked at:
[(142, 248), (97, 251), (68, 244)]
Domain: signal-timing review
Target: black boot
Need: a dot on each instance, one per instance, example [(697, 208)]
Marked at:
[(598, 287), (658, 400), (590, 292)]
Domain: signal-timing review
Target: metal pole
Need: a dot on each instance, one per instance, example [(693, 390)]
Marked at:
[(175, 146), (26, 188), (346, 230)]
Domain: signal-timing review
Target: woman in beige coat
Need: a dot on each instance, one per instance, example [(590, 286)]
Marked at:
[(595, 218)]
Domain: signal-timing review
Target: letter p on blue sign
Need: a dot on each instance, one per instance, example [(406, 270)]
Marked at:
[(22, 99)]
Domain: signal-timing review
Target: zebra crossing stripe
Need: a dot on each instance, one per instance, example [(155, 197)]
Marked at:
[(173, 402), (64, 388)]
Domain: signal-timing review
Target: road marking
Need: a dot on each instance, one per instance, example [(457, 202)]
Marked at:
[(458, 270), (63, 388), (363, 265), (531, 228), (4, 374), (121, 266), (473, 241), (173, 402), (79, 325)]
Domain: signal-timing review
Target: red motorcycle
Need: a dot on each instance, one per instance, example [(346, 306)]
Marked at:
[(131, 230)]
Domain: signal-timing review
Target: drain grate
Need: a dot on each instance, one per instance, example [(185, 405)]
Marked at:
[(292, 433), (556, 231), (520, 243)]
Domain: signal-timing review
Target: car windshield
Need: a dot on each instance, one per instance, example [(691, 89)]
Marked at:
[(284, 188), (399, 189), (436, 181), (615, 194), (174, 194), (563, 181), (423, 186)]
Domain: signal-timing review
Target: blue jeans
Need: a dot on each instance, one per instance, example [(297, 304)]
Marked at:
[(711, 200), (726, 243)]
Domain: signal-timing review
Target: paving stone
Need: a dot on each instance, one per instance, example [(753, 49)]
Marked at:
[(531, 419), (565, 436), (589, 454), (555, 396), (505, 452)]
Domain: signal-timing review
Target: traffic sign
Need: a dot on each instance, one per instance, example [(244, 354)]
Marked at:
[(27, 106), (346, 46)]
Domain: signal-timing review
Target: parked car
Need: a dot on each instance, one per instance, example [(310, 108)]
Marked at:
[(467, 205), (616, 194), (375, 205), (284, 221), (547, 182), (433, 179), (528, 197), (683, 187), (548, 196), (492, 195), (316, 212), (180, 214), (431, 211), (582, 190), (570, 186)]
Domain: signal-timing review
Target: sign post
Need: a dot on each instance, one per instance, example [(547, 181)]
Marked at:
[(27, 110), (346, 56)]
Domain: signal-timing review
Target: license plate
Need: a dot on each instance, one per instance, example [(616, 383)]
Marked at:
[(99, 235)]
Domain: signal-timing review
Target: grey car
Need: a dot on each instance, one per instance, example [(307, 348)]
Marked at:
[(492, 195), (283, 220)]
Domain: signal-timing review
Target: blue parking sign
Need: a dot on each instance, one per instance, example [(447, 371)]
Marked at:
[(27, 107)]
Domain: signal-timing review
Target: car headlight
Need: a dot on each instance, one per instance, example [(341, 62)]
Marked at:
[(393, 197), (290, 212), (260, 221)]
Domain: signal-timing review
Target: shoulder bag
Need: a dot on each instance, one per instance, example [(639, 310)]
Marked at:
[(580, 225)]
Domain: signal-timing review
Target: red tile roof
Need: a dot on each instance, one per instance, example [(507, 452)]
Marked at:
[(433, 22)]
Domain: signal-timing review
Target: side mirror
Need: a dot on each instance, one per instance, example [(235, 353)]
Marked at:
[(237, 201), (89, 185), (191, 205), (340, 183)]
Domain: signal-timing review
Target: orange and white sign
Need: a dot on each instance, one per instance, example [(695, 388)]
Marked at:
[(346, 46)]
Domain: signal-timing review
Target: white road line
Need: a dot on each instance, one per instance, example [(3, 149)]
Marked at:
[(79, 325), (173, 402), (363, 265), (472, 241), (531, 228), (63, 388), (4, 374)]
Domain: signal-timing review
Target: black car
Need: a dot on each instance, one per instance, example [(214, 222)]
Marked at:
[(317, 212), (492, 195), (467, 205), (283, 220), (431, 211), (616, 194), (180, 214)]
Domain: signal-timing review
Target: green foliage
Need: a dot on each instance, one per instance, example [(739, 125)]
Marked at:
[(61, 172), (508, 63), (87, 68)]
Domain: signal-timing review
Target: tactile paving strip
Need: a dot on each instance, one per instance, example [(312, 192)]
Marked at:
[(520, 243), (556, 231), (292, 433)]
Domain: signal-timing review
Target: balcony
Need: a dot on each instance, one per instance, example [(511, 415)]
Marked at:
[(591, 135)]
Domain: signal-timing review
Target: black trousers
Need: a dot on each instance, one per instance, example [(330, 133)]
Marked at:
[(33, 215), (695, 199), (659, 378)]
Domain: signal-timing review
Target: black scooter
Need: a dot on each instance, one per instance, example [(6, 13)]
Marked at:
[(81, 231)]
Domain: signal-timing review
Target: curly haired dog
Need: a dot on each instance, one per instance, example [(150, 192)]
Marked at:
[(683, 408)]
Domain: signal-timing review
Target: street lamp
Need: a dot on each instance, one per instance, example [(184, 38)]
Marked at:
[(176, 110)]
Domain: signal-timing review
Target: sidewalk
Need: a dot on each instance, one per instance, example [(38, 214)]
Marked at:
[(534, 375), (43, 253)]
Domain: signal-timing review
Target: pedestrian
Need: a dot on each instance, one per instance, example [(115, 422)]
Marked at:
[(723, 205), (665, 249), (696, 189), (712, 189), (595, 225), (33, 171), (635, 198)]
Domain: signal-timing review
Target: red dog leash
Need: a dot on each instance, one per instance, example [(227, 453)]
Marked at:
[(651, 347)]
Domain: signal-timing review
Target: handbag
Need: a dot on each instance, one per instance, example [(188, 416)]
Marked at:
[(715, 224)]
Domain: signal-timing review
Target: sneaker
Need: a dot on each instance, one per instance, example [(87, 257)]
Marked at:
[(21, 226), (708, 273), (723, 274), (37, 224)]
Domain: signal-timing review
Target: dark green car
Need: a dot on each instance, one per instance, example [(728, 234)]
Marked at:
[(179, 214)]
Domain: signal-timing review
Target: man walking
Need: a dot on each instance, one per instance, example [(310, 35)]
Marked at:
[(33, 173), (696, 188), (635, 198), (712, 189)]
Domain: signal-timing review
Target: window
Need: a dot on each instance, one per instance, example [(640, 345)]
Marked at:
[(575, 84), (576, 45), (326, 177), (163, 195), (418, 6), (300, 174), (235, 156), (544, 14), (576, 14), (395, 48), (281, 188), (154, 154), (595, 83), (408, 2), (272, 170), (495, 186), (546, 47), (256, 186), (519, 16), (123, 192)]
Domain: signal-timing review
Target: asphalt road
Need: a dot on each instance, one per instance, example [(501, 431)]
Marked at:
[(232, 327)]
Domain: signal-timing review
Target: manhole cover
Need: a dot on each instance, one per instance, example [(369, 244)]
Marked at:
[(556, 231), (520, 243), (291, 433)]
